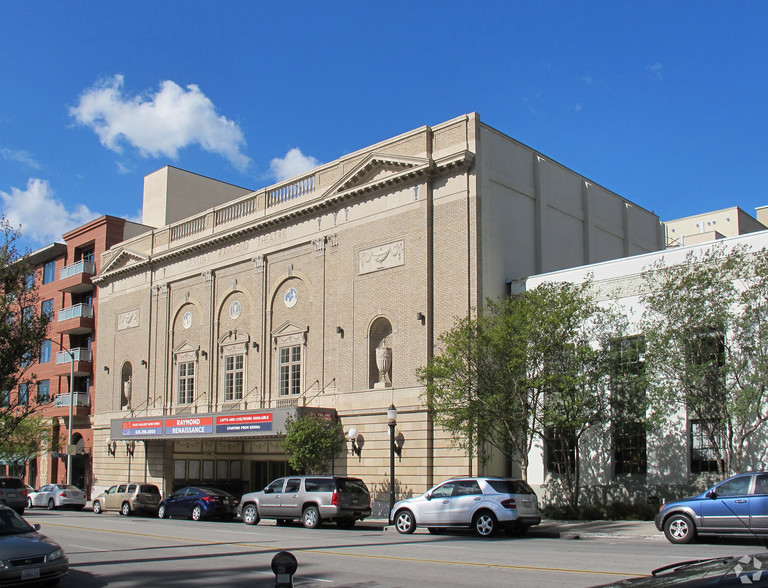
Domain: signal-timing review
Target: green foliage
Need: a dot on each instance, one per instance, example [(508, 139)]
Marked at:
[(706, 324), (521, 369), (22, 330), (24, 442), (311, 443)]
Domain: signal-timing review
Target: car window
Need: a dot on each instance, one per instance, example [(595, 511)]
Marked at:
[(275, 486), (352, 486), (46, 488), (319, 485), (11, 483), (443, 491), (466, 487), (293, 485), (735, 487), (761, 484), (149, 489), (121, 488), (111, 490), (131, 488), (510, 486), (66, 487), (11, 523)]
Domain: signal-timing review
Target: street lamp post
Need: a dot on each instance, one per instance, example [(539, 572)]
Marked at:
[(71, 406), (392, 418)]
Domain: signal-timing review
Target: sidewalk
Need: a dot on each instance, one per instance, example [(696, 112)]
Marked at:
[(638, 530)]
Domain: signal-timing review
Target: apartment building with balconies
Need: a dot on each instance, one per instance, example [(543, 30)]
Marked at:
[(65, 373)]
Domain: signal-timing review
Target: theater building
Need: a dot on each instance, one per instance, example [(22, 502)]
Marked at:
[(326, 293)]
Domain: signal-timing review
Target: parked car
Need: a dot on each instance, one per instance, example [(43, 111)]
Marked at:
[(128, 498), (312, 499), (53, 496), (27, 556), (481, 503), (13, 493), (199, 503), (736, 506)]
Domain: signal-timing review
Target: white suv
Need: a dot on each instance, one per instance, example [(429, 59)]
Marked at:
[(483, 504)]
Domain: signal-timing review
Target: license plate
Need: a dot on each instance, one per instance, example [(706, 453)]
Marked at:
[(355, 501), (527, 503), (30, 574)]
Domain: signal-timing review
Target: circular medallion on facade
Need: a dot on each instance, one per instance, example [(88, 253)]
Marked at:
[(234, 309), (291, 297), (186, 321)]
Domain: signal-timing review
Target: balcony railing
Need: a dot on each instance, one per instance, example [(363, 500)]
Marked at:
[(80, 399), (79, 353), (81, 267), (76, 311)]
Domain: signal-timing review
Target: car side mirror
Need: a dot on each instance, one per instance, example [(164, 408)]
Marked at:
[(268, 490), (712, 494), (36, 526), (428, 496)]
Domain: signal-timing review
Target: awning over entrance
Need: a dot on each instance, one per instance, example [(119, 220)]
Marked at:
[(261, 423)]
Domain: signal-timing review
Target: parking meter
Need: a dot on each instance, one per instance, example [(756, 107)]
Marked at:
[(284, 566)]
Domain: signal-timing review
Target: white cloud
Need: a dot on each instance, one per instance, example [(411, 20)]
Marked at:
[(293, 164), (159, 124), (43, 219), (656, 69), (22, 157)]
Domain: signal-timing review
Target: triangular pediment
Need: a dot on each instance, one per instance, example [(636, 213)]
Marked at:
[(289, 328), (377, 169), (122, 258)]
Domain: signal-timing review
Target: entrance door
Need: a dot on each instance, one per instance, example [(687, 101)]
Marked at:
[(263, 472)]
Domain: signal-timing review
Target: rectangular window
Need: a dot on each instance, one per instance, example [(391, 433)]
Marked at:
[(290, 370), (45, 352), (49, 272), (561, 451), (29, 281), (23, 395), (186, 382), (43, 392), (233, 377), (5, 398), (706, 437), (46, 308), (628, 398)]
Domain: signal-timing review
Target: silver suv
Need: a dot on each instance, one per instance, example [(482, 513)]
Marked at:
[(313, 499), (13, 493), (128, 498), (483, 504)]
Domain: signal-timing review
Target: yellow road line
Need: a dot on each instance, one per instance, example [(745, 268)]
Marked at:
[(369, 556)]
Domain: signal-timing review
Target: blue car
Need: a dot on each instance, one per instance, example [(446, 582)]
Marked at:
[(197, 503), (737, 506)]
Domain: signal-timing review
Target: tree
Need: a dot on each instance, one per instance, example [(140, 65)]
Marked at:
[(22, 331), (311, 443), (25, 441), (529, 367), (706, 324)]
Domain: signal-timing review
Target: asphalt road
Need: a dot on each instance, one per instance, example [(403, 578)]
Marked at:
[(111, 550)]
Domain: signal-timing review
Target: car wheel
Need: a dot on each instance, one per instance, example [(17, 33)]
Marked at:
[(250, 515), (51, 504), (97, 507), (197, 513), (485, 524), (311, 517), (404, 522), (679, 528), (436, 530), (161, 511), (284, 522), (125, 509), (345, 523)]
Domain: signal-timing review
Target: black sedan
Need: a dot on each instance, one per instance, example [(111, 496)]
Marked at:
[(27, 556), (199, 503)]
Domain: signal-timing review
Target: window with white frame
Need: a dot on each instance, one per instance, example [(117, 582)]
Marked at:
[(234, 367), (290, 370), (186, 381)]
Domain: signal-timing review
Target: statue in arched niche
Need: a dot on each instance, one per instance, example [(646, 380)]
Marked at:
[(383, 363)]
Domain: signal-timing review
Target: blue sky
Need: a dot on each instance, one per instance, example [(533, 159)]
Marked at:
[(661, 102)]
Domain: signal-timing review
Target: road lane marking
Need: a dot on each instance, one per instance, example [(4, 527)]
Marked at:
[(322, 551)]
